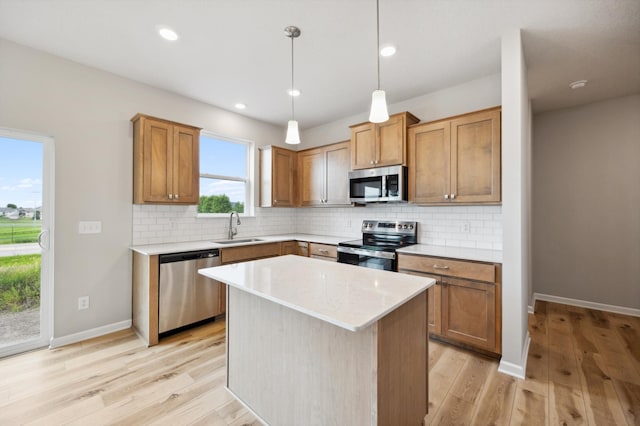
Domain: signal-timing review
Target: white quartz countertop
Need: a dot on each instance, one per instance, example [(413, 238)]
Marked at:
[(153, 249), (351, 297), (480, 255)]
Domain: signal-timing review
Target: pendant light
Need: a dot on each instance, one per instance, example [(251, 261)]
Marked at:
[(379, 113), (293, 136)]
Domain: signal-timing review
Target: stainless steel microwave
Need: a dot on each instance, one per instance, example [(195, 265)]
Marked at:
[(379, 185)]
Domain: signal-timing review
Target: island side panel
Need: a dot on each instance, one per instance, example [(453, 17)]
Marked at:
[(145, 297), (292, 369), (403, 364)]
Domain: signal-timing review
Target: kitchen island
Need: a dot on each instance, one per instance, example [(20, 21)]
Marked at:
[(313, 342)]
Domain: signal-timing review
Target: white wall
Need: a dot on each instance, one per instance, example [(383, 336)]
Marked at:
[(587, 203), (87, 111), (516, 196)]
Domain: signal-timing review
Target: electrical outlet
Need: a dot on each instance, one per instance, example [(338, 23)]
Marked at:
[(465, 227), (83, 303)]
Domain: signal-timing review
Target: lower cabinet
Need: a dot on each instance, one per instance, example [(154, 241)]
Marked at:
[(295, 247), (464, 307), (323, 252)]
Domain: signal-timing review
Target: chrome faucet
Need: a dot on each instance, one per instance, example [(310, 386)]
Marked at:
[(233, 231)]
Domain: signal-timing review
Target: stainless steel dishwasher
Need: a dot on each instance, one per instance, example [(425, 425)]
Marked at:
[(187, 297)]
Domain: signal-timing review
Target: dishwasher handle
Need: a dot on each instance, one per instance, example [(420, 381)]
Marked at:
[(189, 255)]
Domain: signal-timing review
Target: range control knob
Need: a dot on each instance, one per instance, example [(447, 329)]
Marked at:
[(410, 226)]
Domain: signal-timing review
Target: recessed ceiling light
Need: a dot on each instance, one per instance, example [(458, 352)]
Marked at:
[(293, 92), (240, 105), (578, 84), (167, 33), (387, 51)]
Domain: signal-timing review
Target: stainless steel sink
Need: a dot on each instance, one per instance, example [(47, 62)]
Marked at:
[(246, 240)]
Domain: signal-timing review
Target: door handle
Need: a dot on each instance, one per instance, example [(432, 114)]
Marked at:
[(43, 242)]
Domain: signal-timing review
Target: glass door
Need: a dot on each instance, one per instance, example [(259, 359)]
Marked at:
[(26, 258)]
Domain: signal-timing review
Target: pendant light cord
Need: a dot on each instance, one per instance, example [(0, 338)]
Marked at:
[(378, 38), (292, 111)]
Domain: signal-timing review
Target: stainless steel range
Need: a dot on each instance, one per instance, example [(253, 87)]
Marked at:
[(377, 248)]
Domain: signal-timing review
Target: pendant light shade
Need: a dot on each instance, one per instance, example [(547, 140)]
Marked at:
[(379, 113), (293, 136)]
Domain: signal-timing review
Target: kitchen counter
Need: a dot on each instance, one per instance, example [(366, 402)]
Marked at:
[(480, 255), (155, 249), (349, 297), (316, 342)]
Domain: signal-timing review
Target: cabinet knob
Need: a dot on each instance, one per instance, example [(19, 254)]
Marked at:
[(446, 196), (376, 162), (171, 196), (176, 196), (453, 196), (371, 162), (275, 201)]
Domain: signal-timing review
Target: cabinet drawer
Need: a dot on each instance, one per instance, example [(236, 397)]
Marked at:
[(324, 250), (453, 268), (239, 254)]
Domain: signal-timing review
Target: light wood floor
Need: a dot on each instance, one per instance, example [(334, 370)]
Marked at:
[(583, 368)]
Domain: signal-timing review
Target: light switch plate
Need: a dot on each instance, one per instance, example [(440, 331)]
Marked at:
[(85, 227)]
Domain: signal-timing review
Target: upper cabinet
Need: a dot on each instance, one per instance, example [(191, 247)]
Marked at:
[(456, 160), (382, 144), (324, 175), (165, 162), (277, 177)]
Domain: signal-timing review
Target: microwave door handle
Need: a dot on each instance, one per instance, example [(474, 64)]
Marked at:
[(384, 186)]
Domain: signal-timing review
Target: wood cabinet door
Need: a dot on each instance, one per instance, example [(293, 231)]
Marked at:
[(222, 298), (475, 157), (390, 146), (337, 174), (429, 162), (311, 166), (468, 312), (186, 165), (282, 177), (157, 161), (434, 301), (363, 149), (289, 247)]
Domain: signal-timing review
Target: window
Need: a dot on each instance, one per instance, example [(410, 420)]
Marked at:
[(225, 175)]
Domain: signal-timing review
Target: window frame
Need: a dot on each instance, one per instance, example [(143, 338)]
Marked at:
[(249, 180)]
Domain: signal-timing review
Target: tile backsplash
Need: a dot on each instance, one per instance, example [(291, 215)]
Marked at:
[(456, 226)]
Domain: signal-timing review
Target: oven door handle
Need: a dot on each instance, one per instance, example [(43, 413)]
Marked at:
[(369, 253)]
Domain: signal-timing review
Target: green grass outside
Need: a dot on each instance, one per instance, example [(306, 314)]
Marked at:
[(19, 282), (19, 231)]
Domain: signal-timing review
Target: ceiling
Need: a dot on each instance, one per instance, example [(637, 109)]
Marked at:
[(233, 51)]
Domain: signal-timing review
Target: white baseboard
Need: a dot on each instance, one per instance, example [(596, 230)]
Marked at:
[(56, 342), (585, 304), (517, 371)]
